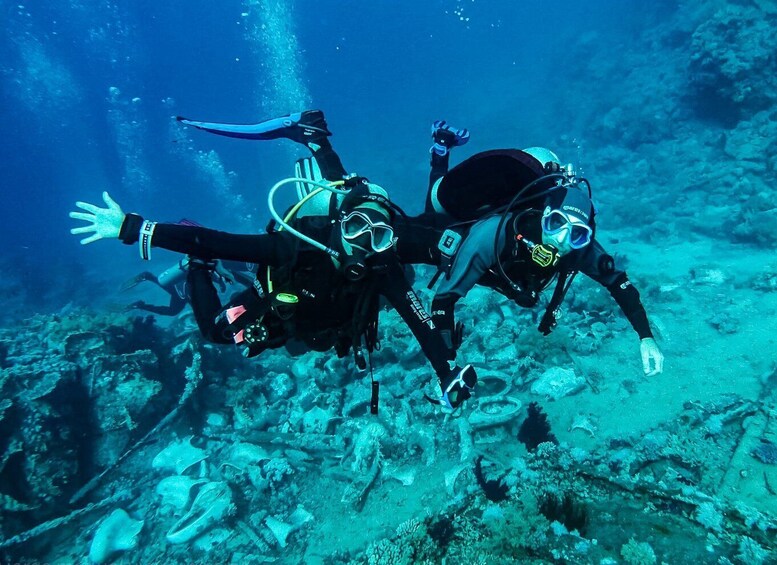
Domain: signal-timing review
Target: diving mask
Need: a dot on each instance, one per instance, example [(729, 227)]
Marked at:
[(358, 223), (578, 234)]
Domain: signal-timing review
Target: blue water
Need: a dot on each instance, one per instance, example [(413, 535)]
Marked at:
[(381, 71)]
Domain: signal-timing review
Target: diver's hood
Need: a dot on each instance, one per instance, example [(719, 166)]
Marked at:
[(369, 196), (574, 200)]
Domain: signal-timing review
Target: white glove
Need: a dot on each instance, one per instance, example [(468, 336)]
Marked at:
[(649, 350), (104, 222)]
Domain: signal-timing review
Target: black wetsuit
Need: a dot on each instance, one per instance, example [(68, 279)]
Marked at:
[(487, 177), (480, 178), (325, 313)]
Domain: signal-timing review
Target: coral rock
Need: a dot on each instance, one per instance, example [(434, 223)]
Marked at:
[(557, 382)]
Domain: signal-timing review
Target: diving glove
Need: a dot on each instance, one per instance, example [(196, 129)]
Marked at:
[(649, 351), (456, 387)]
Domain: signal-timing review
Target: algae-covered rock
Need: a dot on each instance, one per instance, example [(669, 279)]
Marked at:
[(74, 387), (732, 57), (558, 382)]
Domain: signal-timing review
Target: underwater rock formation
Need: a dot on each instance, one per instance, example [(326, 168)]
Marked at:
[(766, 452), (75, 387), (733, 61)]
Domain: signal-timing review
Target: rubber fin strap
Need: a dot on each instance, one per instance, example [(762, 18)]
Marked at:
[(263, 130), (307, 168)]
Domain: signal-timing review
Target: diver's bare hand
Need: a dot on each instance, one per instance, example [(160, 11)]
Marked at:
[(102, 222)]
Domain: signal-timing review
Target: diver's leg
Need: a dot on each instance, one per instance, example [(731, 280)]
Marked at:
[(173, 309), (137, 279), (317, 140), (308, 128), (153, 308), (445, 138), (299, 127), (176, 306), (328, 161), (244, 278)]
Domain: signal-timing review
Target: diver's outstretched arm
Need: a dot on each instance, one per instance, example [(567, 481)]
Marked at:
[(271, 249), (597, 264)]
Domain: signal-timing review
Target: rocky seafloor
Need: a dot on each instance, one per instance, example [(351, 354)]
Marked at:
[(125, 441)]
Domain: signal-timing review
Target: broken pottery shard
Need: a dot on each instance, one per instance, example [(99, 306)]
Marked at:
[(176, 491), (280, 530), (211, 505), (244, 454), (494, 411), (116, 534), (179, 456)]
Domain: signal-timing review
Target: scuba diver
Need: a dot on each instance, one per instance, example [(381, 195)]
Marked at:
[(512, 220), (173, 282), (325, 264)]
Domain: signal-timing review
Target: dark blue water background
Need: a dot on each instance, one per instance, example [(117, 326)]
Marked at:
[(382, 71)]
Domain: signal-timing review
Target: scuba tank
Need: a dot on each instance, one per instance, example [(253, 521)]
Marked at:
[(175, 274), (307, 168), (474, 188)]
